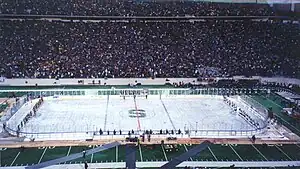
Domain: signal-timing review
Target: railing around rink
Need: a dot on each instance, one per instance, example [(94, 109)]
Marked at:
[(69, 135), (255, 104), (131, 91), (256, 110), (11, 110)]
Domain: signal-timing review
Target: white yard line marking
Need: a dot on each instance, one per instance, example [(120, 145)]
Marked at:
[(187, 151), (117, 153), (297, 145), (212, 153), (42, 155), (164, 153), (236, 152), (92, 156), (15, 159), (68, 153), (259, 152), (284, 153), (140, 149)]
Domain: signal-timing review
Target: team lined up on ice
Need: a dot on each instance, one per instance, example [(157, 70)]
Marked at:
[(242, 113)]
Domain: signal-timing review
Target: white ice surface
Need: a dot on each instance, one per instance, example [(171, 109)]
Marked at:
[(81, 114), (204, 114), (68, 115), (118, 118)]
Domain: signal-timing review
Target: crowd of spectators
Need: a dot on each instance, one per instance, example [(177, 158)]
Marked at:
[(45, 49), (131, 8)]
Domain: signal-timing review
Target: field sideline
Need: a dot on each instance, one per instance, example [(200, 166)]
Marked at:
[(148, 153)]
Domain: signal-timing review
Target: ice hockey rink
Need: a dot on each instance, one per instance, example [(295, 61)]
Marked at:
[(83, 113)]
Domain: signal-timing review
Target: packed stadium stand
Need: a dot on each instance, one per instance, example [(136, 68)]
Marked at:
[(67, 48), (133, 8), (77, 74), (57, 49)]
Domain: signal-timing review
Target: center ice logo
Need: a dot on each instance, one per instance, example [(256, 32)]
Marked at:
[(137, 113)]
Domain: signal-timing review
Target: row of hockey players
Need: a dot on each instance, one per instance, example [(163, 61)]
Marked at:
[(28, 116)]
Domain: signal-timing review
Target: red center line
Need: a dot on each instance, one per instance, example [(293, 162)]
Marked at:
[(137, 116)]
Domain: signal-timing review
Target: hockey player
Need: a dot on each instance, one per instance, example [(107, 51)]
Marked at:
[(86, 165), (83, 154)]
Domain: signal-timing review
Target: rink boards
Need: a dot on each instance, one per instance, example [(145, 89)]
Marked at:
[(84, 116)]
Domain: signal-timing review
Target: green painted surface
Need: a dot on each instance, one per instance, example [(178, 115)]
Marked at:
[(138, 154), (171, 153), (205, 155), (152, 153), (8, 155), (9, 94), (292, 151), (224, 153), (3, 107), (248, 153), (271, 153), (80, 149), (29, 156), (105, 156), (121, 153), (54, 153)]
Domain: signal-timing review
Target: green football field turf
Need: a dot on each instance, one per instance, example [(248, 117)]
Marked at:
[(216, 152)]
